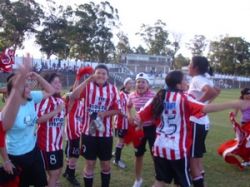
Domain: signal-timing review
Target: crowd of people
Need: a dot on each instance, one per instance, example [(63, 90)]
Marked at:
[(36, 115)]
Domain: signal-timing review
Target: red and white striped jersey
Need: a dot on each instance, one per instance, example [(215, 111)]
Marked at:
[(139, 100), (99, 99), (74, 120), (174, 134), (50, 133), (121, 122)]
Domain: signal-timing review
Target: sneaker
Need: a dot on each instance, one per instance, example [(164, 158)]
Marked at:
[(65, 175), (73, 181), (245, 164), (138, 183), (120, 164)]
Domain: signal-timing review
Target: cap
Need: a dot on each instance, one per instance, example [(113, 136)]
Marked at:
[(126, 81), (142, 76)]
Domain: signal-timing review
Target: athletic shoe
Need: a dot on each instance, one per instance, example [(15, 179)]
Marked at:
[(245, 164), (72, 180), (138, 183), (120, 164)]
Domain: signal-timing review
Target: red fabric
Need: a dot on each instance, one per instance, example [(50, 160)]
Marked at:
[(133, 136), (83, 71), (12, 183), (7, 60), (236, 150), (2, 136)]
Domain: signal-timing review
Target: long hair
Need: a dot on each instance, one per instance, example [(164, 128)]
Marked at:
[(202, 65), (49, 77), (171, 80)]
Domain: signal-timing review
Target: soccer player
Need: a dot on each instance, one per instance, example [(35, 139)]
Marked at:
[(172, 109), (51, 115), (101, 102), (21, 135), (121, 122), (74, 123), (138, 99), (203, 90)]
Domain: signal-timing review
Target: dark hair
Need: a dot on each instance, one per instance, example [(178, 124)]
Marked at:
[(202, 64), (102, 66), (49, 77), (158, 103), (244, 91), (173, 78)]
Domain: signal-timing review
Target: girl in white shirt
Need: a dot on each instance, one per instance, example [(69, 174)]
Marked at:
[(202, 89)]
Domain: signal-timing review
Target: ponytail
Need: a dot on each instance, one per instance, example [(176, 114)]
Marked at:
[(158, 103)]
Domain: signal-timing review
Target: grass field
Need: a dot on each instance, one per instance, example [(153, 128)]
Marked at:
[(218, 173)]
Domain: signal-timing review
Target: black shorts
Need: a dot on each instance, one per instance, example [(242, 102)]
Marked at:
[(53, 160), (149, 135), (72, 148), (168, 170), (120, 132), (32, 168), (93, 147), (199, 137)]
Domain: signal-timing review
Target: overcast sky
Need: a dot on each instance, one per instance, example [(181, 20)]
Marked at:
[(211, 18)]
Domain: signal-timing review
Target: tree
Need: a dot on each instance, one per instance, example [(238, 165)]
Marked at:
[(122, 46), (17, 19), (230, 55), (181, 61), (197, 45), (54, 36), (155, 38), (94, 30), (139, 50)]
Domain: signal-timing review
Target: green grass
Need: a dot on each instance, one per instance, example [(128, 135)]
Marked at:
[(218, 173)]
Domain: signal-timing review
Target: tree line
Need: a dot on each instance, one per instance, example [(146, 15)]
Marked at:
[(86, 32)]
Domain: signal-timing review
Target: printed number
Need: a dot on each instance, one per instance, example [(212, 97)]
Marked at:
[(76, 151), (169, 130), (52, 159)]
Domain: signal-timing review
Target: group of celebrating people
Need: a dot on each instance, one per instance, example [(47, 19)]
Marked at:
[(173, 121)]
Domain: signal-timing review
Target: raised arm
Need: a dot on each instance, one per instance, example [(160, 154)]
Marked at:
[(48, 89), (78, 90), (14, 100)]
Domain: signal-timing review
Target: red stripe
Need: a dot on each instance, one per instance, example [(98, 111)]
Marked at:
[(172, 154), (157, 151), (164, 151), (181, 127)]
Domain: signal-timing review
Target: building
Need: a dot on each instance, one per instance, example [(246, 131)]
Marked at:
[(151, 64)]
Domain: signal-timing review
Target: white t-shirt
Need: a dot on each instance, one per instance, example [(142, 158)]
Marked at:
[(195, 90)]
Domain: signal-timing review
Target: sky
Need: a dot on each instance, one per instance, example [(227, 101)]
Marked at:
[(211, 18)]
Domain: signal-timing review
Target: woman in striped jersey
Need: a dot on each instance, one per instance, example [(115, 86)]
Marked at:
[(172, 108), (121, 122), (101, 102), (51, 115), (73, 128)]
